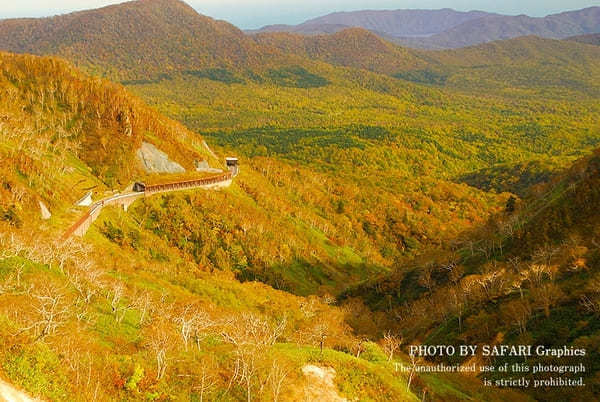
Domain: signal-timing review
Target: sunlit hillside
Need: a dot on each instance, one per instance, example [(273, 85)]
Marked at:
[(385, 196), (530, 274), (144, 307)]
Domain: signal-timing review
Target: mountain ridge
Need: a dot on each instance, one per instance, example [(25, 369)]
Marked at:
[(133, 39), (449, 28), (510, 59), (401, 22), (492, 28)]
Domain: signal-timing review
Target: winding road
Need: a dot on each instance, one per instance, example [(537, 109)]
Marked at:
[(80, 227)]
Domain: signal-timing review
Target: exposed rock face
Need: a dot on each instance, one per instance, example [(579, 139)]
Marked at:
[(321, 387), (156, 161), (203, 166)]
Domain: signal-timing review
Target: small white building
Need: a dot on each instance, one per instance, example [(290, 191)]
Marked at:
[(232, 165)]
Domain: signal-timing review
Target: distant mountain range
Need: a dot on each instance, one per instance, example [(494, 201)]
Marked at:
[(398, 23), (447, 29), (145, 41)]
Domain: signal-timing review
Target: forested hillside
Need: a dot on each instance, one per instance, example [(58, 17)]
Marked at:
[(544, 65), (147, 307), (135, 40), (591, 39), (528, 275), (428, 193), (354, 47), (51, 111), (353, 132)]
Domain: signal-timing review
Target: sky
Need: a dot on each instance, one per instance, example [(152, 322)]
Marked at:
[(248, 14)]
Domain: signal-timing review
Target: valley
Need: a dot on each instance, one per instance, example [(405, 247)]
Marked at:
[(386, 197)]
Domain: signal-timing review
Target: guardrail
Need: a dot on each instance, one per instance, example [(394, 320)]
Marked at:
[(80, 227), (181, 185)]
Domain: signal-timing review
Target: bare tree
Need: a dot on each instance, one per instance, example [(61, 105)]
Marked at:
[(277, 377), (193, 323), (51, 309), (413, 367), (390, 344), (160, 343), (118, 304), (457, 298), (251, 336), (360, 346), (518, 312), (186, 320), (87, 284), (142, 301), (204, 326), (318, 334), (206, 382), (546, 296), (590, 304)]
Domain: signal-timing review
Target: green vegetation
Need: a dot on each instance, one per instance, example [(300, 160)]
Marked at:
[(296, 77), (532, 272), (517, 179), (216, 74), (430, 194), (423, 77)]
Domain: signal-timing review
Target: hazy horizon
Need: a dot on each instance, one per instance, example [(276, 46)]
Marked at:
[(250, 14)]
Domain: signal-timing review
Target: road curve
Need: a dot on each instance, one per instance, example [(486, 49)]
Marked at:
[(81, 226)]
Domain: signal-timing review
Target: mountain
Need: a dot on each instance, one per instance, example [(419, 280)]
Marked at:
[(135, 40), (591, 39), (370, 197), (304, 29), (352, 47), (491, 28), (444, 29), (115, 42), (396, 23), (525, 62)]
